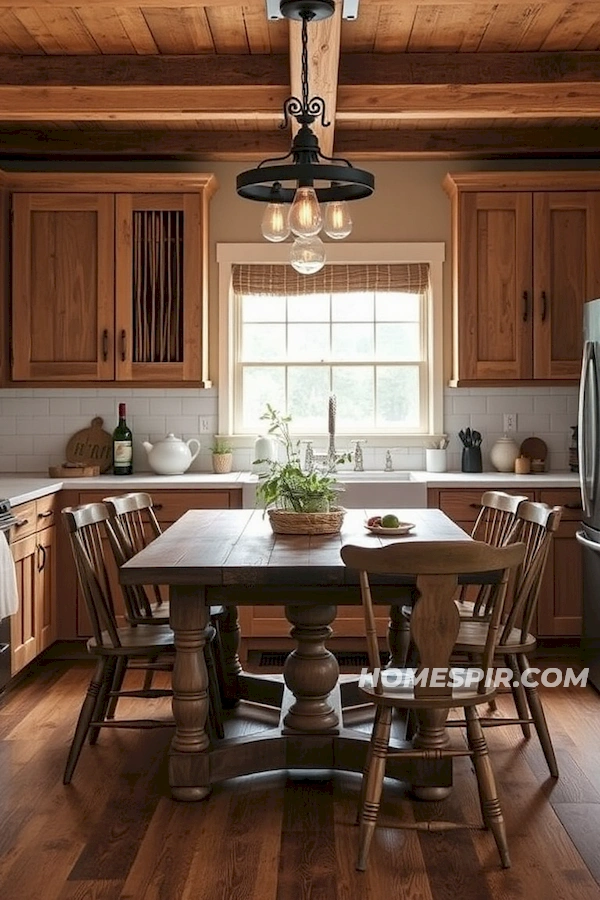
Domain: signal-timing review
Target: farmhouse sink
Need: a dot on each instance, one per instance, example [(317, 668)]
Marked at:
[(378, 475), (381, 490)]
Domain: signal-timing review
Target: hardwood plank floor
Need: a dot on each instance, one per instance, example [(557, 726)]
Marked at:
[(115, 834)]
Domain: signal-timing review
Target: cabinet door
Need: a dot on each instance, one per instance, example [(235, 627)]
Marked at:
[(566, 274), (23, 625), (63, 287), (45, 588), (559, 606), (159, 287), (494, 324)]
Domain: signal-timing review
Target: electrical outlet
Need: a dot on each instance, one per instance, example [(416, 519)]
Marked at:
[(204, 425), (510, 422)]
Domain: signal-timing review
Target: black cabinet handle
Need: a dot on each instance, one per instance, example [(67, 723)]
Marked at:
[(525, 306), (157, 506), (45, 515), (105, 344), (576, 505), (544, 305), (42, 564), (123, 345)]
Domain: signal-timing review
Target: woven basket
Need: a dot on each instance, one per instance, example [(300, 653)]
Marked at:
[(285, 522)]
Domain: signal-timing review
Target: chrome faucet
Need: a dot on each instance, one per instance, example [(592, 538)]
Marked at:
[(388, 462), (331, 451)]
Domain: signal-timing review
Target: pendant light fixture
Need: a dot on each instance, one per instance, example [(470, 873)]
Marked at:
[(305, 191)]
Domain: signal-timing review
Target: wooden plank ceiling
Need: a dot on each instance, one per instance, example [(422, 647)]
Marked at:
[(206, 79)]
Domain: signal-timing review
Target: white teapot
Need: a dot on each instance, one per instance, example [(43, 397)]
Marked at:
[(171, 456)]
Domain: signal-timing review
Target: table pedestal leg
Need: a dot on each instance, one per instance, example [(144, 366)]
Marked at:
[(311, 672), (431, 734), (230, 634), (188, 776)]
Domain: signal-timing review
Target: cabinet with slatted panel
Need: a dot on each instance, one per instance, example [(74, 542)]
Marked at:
[(109, 278)]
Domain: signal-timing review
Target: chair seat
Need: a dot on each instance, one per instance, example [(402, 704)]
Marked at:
[(135, 641), (466, 610), (472, 634), (398, 690)]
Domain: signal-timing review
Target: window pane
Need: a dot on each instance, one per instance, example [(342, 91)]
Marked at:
[(353, 387), (352, 307), (352, 341), (263, 309), (398, 341), (397, 307), (311, 308), (308, 341), (308, 394), (398, 396), (263, 342), (261, 385)]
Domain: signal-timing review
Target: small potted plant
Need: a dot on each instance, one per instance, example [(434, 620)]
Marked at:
[(222, 456), (297, 502)]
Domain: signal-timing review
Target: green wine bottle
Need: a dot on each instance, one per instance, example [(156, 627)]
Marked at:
[(122, 445)]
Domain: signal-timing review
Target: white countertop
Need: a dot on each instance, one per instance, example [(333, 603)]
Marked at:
[(22, 488)]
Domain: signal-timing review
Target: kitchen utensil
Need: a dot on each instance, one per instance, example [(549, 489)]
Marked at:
[(476, 439), (91, 446)]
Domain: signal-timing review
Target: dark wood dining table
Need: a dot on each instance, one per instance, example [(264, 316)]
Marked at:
[(232, 558)]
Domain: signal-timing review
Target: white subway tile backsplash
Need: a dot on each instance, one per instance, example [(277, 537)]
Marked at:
[(35, 424)]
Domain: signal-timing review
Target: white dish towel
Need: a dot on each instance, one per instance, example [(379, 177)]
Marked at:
[(9, 596)]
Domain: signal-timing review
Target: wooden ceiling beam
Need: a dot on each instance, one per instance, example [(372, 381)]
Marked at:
[(460, 143), (323, 63), (355, 104)]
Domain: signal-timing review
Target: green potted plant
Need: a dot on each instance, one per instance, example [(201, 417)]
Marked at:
[(296, 501), (222, 456)]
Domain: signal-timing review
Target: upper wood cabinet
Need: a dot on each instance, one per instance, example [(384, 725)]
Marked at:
[(525, 260), (107, 283)]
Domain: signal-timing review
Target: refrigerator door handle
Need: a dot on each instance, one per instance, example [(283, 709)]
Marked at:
[(586, 542), (588, 409)]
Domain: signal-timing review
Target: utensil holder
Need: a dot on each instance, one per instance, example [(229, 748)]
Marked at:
[(471, 459), (435, 460)]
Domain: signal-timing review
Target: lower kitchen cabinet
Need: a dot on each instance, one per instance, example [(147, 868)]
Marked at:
[(559, 604), (33, 545), (168, 506)]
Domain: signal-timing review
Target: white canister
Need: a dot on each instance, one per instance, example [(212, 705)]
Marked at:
[(504, 453), (264, 449), (435, 460)]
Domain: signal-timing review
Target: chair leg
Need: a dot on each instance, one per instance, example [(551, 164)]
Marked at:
[(363, 784), (490, 805), (104, 699), (215, 707), (539, 720), (117, 684), (519, 693), (85, 717), (372, 793)]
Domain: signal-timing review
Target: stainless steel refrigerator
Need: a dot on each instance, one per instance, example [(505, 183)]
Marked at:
[(589, 476)]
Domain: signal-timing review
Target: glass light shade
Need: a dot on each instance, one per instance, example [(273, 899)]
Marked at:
[(305, 219), (274, 225), (307, 255), (338, 222)]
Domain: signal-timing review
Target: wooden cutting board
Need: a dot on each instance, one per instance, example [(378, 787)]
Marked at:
[(91, 446)]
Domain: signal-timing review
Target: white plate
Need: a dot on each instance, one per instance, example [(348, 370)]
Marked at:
[(403, 528)]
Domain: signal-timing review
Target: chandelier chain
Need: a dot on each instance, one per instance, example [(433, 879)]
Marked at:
[(305, 19)]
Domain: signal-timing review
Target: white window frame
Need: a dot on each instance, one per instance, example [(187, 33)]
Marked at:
[(432, 253)]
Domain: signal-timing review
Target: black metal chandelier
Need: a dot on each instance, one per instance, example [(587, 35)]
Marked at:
[(308, 178)]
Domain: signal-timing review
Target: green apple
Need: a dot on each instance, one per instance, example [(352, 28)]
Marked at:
[(390, 521)]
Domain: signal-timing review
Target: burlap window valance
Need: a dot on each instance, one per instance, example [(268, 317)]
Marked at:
[(282, 280)]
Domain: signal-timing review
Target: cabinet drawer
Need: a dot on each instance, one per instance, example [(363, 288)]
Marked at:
[(171, 506), (463, 506), (569, 499), (25, 514), (46, 508)]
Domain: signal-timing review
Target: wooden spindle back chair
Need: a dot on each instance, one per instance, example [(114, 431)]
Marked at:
[(114, 647), (434, 626)]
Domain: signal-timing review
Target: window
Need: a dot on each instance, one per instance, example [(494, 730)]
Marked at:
[(365, 331)]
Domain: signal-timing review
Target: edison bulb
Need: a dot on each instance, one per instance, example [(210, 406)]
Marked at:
[(307, 255), (274, 225), (338, 222), (305, 219)]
